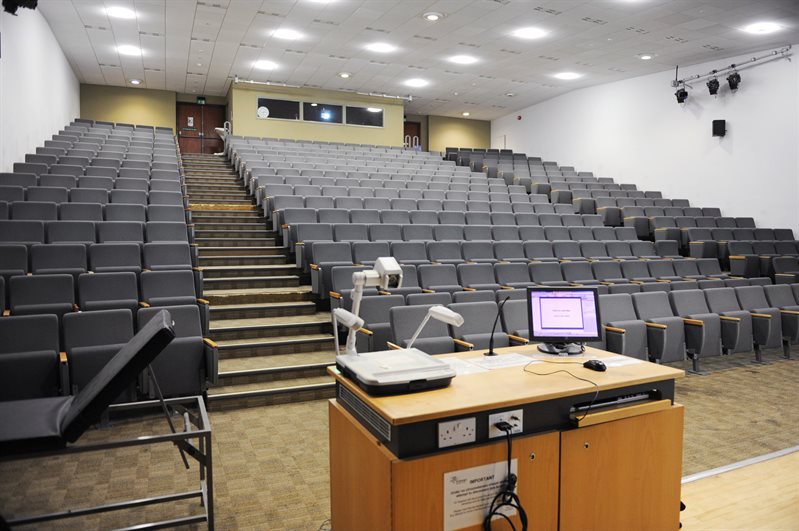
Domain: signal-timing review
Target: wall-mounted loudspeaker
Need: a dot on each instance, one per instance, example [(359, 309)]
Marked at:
[(719, 127)]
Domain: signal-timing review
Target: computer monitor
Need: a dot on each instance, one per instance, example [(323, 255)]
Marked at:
[(563, 318)]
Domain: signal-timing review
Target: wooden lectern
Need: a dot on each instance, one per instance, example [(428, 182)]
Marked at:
[(615, 466)]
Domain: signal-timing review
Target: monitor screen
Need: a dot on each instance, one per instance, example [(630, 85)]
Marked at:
[(563, 315)]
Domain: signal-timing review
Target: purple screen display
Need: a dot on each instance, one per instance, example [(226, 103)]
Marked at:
[(567, 314)]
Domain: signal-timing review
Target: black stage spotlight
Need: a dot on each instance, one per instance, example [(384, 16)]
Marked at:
[(713, 86), (11, 6), (681, 95), (734, 79)]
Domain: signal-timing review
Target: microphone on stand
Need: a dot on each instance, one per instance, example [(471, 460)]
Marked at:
[(494, 328)]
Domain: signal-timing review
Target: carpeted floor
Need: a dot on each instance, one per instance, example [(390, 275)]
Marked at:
[(271, 463)]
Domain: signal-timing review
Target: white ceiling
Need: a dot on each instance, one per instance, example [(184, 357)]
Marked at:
[(199, 46)]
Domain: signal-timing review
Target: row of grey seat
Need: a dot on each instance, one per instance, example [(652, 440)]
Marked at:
[(60, 194), (29, 232), (97, 211), (658, 326), (34, 363), (76, 259), (46, 210), (321, 257)]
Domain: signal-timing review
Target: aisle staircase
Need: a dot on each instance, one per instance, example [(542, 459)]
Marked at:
[(274, 346)]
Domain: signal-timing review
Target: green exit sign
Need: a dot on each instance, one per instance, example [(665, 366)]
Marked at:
[(200, 100)]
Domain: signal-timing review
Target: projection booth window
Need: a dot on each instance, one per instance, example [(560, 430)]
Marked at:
[(372, 116), (282, 109), (321, 112)]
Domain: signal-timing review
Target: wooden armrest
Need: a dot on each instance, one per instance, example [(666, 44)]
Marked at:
[(614, 329), (210, 342), (469, 289), (785, 274), (762, 315), (790, 312), (6, 313), (314, 267), (75, 308), (284, 226), (143, 304), (392, 346), (197, 269), (301, 244), (656, 325), (695, 322), (366, 331), (518, 339), (425, 290), (736, 257), (334, 294), (204, 301), (381, 292), (605, 283), (728, 318), (62, 357), (463, 343)]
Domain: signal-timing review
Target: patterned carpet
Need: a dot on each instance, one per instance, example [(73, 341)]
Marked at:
[(271, 469)]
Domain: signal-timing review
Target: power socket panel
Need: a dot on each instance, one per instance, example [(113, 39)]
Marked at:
[(514, 417), (457, 432)]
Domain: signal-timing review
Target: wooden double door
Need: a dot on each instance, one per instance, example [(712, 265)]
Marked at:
[(196, 125)]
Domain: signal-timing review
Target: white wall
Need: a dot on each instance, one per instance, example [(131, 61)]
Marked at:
[(39, 93), (635, 132)]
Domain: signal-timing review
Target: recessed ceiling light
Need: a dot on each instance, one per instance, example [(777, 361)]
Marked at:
[(263, 64), (120, 12), (510, 94), (416, 82), (567, 76), (199, 64), (462, 59), (645, 56), (374, 109), (314, 104), (135, 81), (344, 75), (762, 28), (287, 34), (466, 113), (380, 47), (433, 16), (530, 33), (127, 49)]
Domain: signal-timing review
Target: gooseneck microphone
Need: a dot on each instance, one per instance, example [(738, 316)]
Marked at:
[(494, 328)]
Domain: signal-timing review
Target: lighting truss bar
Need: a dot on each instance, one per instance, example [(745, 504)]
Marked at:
[(784, 52), (237, 79)]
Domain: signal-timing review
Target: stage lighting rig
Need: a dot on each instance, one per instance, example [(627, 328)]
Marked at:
[(734, 79), (681, 95), (713, 86)]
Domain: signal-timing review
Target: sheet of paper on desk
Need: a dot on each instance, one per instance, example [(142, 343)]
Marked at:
[(620, 361), (462, 367), (502, 361)]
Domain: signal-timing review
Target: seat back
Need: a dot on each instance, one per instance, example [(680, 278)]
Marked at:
[(652, 305), (688, 302)]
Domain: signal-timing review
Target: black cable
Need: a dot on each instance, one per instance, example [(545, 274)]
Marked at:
[(507, 496), (596, 393)]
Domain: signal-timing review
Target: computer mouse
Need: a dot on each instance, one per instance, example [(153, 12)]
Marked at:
[(595, 365)]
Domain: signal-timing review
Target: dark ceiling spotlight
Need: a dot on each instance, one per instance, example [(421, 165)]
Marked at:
[(713, 86), (11, 6), (681, 95), (734, 79)]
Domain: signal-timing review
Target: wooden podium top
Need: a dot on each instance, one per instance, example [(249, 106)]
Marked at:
[(498, 388)]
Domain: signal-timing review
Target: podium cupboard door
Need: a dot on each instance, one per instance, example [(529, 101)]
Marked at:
[(420, 486), (623, 474)]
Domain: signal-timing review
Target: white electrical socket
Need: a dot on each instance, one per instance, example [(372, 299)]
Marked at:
[(514, 417), (455, 432)]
